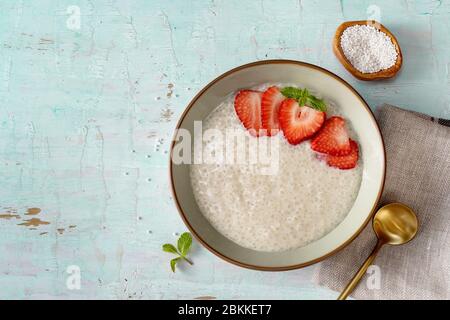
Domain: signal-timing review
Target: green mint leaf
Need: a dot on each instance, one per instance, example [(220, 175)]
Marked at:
[(169, 248), (295, 93), (316, 103), (173, 263), (304, 97), (292, 92), (184, 243)]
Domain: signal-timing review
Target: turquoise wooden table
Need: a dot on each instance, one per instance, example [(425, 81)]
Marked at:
[(90, 92)]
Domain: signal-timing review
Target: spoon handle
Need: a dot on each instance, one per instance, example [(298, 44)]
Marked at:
[(357, 277)]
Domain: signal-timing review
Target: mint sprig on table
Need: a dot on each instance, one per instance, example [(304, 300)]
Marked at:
[(304, 97), (184, 245)]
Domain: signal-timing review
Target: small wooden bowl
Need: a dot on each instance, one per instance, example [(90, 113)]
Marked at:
[(383, 74)]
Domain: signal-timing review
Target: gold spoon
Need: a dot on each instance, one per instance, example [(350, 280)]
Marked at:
[(394, 224)]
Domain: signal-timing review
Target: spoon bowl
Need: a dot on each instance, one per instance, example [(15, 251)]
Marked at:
[(395, 224)]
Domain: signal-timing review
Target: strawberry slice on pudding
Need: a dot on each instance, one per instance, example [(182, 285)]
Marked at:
[(344, 162), (270, 105), (247, 105), (299, 123), (333, 138)]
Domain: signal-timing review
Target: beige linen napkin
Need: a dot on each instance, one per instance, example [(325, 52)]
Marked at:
[(418, 174)]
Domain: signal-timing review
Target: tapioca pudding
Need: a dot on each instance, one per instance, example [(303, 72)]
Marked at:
[(317, 177)]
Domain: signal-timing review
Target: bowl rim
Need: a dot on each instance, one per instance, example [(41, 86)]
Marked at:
[(295, 266)]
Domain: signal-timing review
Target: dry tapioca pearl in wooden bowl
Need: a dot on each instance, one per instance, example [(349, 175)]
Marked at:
[(367, 50)]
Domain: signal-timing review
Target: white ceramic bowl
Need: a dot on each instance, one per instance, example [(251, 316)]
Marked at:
[(352, 106)]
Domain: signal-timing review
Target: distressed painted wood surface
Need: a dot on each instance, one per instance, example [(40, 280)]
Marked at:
[(87, 112)]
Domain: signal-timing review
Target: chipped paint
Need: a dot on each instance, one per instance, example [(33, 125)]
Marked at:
[(34, 222), (205, 298), (8, 216), (152, 134), (166, 114), (32, 211)]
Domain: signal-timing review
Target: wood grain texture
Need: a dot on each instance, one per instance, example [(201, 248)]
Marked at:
[(86, 116)]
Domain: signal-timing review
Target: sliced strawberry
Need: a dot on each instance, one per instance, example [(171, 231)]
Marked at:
[(299, 123), (333, 139), (270, 104), (344, 162), (247, 104)]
